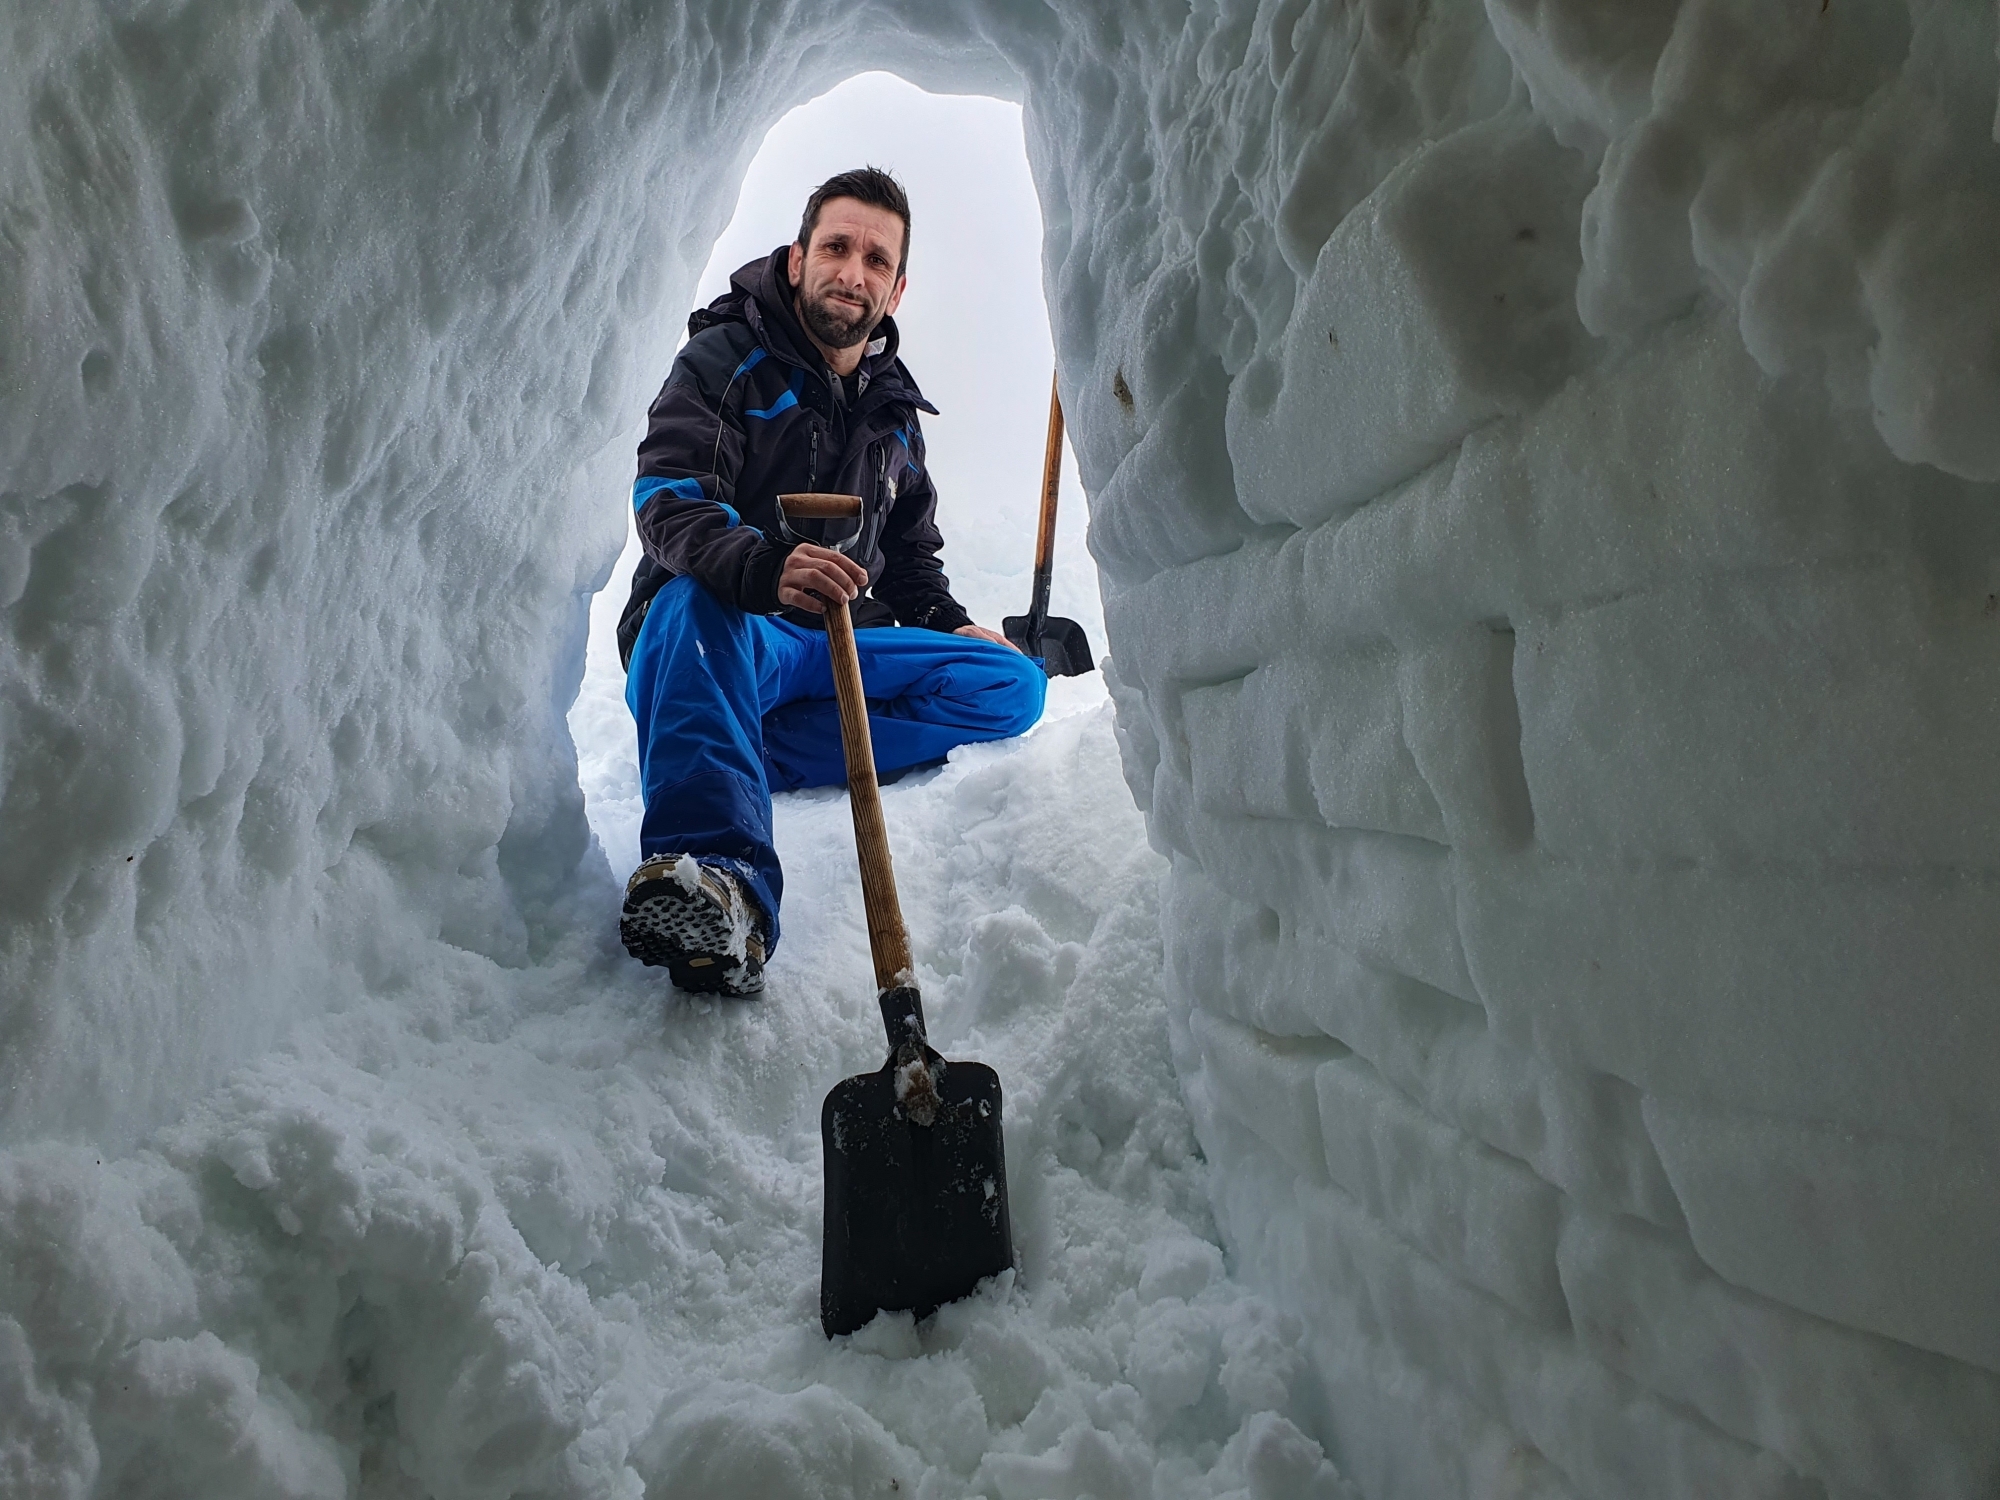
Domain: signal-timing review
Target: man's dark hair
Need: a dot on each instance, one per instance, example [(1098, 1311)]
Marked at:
[(870, 185)]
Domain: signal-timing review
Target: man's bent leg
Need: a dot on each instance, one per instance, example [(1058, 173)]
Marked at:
[(928, 693), (701, 672)]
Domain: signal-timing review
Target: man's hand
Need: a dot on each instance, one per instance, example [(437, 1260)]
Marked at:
[(981, 633), (813, 577)]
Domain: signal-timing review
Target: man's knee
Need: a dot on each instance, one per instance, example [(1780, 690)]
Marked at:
[(1024, 693), (689, 598)]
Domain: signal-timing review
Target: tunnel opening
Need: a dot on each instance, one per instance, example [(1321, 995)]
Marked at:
[(975, 333)]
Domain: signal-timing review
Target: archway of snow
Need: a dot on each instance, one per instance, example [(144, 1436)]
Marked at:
[(1541, 464)]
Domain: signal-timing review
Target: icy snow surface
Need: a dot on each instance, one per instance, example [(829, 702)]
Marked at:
[(1542, 461), (550, 1229), (523, 1232)]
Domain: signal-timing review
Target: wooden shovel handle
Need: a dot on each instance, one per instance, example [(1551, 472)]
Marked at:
[(1045, 536), (820, 507), (888, 938)]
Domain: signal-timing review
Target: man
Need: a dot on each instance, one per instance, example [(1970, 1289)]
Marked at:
[(788, 382)]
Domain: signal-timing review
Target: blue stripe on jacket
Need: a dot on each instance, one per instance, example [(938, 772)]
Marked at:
[(785, 402), (680, 489)]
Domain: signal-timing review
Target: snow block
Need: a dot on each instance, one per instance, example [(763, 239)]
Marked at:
[(1582, 1132), (1482, 1215), (1317, 738), (1694, 666), (1404, 1435), (1445, 299), (1397, 1429), (1746, 718), (1172, 498), (1386, 897), (1848, 1413), (1462, 722), (1589, 69), (1334, 737), (1678, 459), (1853, 1410), (1801, 992), (1138, 743), (1266, 1083), (1241, 599), (1887, 1233), (1827, 176), (1603, 1433)]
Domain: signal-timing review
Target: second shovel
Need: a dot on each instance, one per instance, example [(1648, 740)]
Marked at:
[(1060, 643)]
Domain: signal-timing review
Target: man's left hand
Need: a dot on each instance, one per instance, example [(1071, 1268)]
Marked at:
[(981, 633)]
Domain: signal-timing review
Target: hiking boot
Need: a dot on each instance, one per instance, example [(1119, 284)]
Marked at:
[(696, 920)]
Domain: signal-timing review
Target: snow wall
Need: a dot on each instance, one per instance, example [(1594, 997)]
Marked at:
[(1542, 465)]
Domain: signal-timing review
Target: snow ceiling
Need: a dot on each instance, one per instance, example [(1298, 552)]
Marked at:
[(1542, 465)]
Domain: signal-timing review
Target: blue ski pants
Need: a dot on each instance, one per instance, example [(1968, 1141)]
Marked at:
[(733, 706)]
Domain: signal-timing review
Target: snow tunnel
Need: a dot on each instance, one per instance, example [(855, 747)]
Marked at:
[(1541, 460)]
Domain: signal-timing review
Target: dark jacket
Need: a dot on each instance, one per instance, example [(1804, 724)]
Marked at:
[(750, 411)]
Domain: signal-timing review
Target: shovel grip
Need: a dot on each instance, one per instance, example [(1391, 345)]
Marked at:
[(888, 938), (820, 507)]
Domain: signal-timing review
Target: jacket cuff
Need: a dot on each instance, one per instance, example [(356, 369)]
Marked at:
[(945, 615), (758, 593)]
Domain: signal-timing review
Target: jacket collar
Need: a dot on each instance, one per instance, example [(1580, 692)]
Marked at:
[(761, 293)]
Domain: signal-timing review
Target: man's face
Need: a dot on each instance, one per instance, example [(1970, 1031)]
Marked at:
[(846, 279)]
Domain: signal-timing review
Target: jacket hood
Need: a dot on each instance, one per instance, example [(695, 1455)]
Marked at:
[(760, 293)]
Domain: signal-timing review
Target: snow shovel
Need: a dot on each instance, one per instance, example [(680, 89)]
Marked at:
[(1060, 643), (916, 1171)]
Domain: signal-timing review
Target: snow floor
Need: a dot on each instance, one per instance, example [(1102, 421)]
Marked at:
[(555, 1230)]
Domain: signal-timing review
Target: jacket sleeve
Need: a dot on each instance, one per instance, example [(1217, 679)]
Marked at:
[(684, 495), (913, 582)]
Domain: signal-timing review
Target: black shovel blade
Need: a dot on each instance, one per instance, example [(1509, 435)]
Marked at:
[(916, 1215), (1063, 648)]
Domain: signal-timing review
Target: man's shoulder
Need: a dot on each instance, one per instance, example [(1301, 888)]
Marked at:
[(715, 353)]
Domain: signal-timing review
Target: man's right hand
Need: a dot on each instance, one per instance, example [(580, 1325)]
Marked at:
[(814, 576)]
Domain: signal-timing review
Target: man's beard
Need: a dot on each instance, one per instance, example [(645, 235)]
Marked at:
[(833, 324)]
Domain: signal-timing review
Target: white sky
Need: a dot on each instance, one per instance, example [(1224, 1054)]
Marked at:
[(975, 328)]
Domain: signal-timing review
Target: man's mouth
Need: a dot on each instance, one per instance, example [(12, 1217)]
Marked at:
[(838, 316)]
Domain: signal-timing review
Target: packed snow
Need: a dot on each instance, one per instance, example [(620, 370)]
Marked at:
[(556, 1231), (1542, 472)]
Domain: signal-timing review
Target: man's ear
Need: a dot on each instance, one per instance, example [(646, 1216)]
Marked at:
[(896, 297), (795, 265)]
